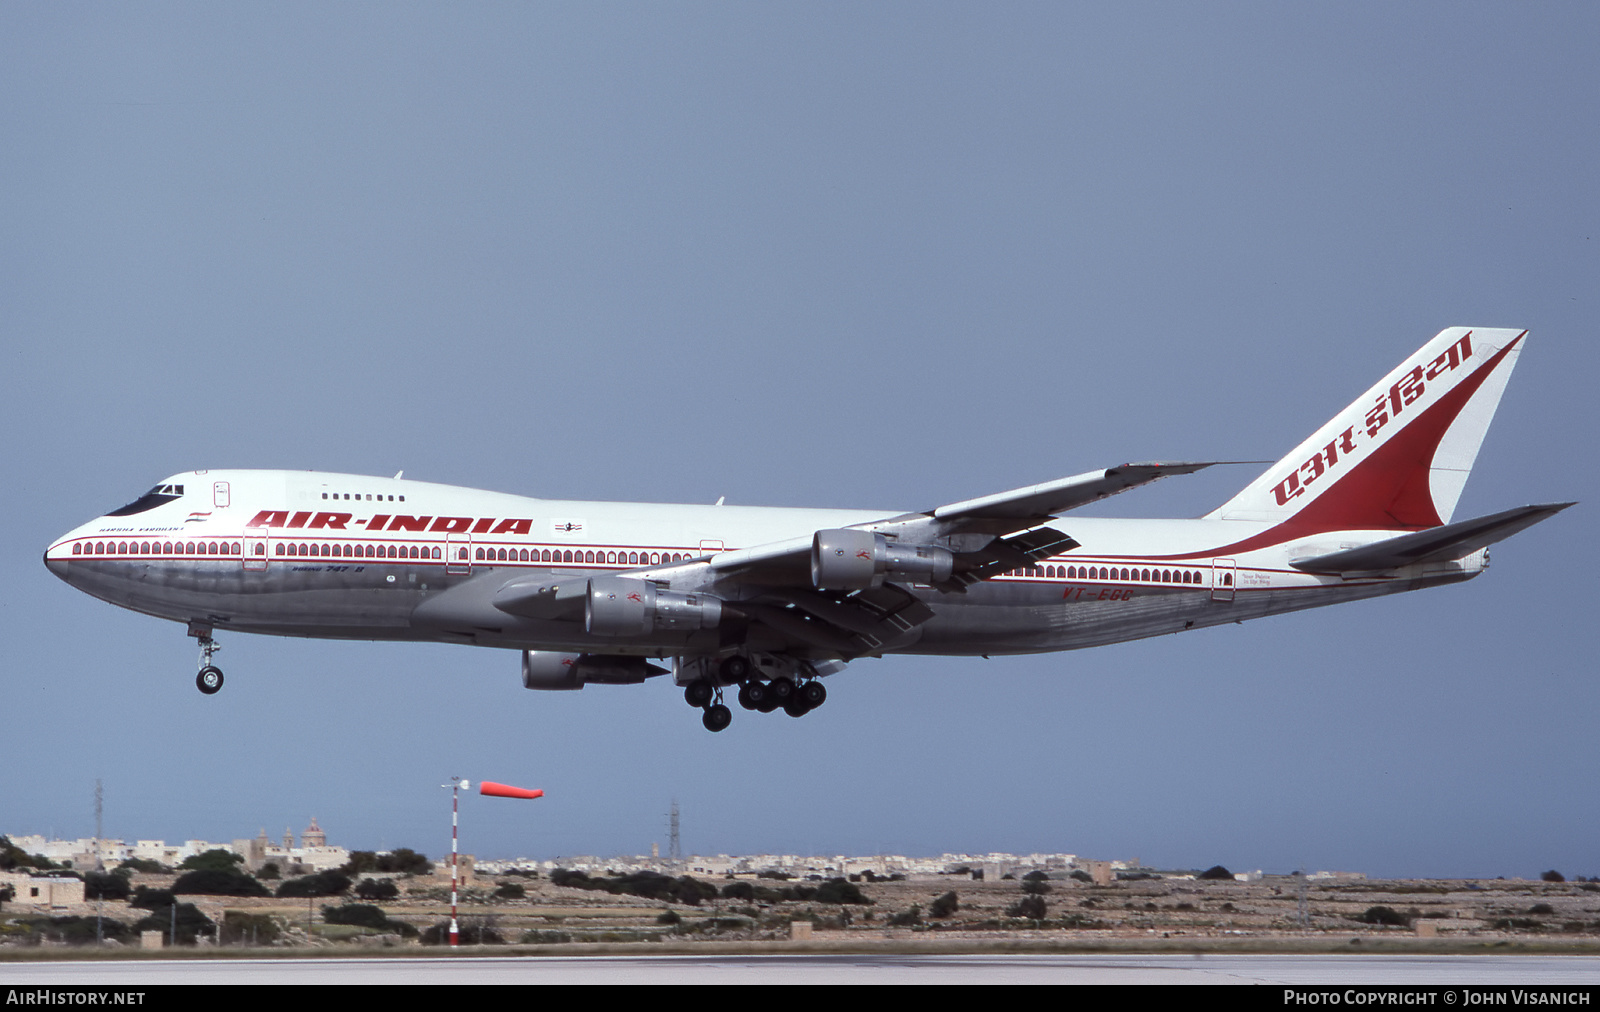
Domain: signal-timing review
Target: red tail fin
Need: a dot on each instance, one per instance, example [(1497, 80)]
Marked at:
[(1397, 458)]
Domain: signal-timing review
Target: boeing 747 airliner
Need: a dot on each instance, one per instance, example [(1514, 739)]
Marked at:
[(771, 600)]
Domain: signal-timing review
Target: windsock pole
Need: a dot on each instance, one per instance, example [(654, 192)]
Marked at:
[(492, 789), (455, 785)]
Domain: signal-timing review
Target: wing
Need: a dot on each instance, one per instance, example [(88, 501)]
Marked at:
[(985, 537), (968, 527), (773, 597)]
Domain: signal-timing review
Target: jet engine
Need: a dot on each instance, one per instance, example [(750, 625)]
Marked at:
[(555, 670), (856, 560), (620, 606)]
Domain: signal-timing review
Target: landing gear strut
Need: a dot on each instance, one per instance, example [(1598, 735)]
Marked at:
[(209, 680), (701, 694)]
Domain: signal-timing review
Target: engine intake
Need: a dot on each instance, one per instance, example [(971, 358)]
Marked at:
[(856, 560), (620, 606)]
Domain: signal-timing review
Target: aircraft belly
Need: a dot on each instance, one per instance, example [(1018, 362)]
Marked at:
[(1020, 626), (309, 600)]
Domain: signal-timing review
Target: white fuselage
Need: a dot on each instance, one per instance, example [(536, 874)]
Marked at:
[(345, 556)]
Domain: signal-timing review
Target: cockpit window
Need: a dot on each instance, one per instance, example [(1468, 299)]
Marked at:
[(149, 501)]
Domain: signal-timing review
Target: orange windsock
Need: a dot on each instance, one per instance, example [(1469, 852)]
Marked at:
[(495, 790)]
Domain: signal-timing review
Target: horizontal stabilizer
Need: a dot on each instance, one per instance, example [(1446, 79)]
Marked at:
[(1439, 544)]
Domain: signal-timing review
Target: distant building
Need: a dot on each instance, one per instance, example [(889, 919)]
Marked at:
[(314, 854), (44, 892)]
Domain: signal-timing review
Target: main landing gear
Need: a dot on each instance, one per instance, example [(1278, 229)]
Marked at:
[(784, 694), (209, 680), (708, 697), (765, 684)]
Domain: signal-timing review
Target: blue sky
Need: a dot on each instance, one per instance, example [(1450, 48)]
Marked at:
[(803, 254)]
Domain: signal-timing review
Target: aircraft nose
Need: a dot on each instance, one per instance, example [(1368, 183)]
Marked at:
[(56, 558)]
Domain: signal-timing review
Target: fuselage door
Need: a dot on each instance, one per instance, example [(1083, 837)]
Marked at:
[(255, 550), (219, 494), (1224, 576), (458, 553)]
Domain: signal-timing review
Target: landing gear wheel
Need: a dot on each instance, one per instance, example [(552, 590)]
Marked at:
[(781, 690), (752, 694), (209, 680), (734, 669), (814, 694), (795, 706), (697, 693), (717, 717)]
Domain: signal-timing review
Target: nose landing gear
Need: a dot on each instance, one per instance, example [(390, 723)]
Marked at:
[(209, 680)]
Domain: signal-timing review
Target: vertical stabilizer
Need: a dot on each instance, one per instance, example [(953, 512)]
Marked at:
[(1397, 458)]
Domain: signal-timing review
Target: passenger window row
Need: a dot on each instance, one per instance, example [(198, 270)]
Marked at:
[(1188, 576)]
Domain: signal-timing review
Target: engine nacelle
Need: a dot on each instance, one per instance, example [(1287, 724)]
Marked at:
[(553, 670), (856, 560), (621, 606)]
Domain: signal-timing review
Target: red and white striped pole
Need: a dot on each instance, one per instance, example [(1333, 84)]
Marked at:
[(492, 789), (456, 783)]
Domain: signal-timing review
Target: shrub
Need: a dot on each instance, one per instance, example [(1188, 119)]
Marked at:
[(216, 882), (1553, 876), (327, 883), (837, 890), (191, 923), (1387, 916), (106, 885), (377, 889), (1216, 873), (404, 861), (511, 891), (12, 857), (1035, 886), (651, 885), (1032, 907), (361, 915), (240, 928), (74, 930), (907, 918), (150, 899), (215, 859), (738, 891), (944, 906)]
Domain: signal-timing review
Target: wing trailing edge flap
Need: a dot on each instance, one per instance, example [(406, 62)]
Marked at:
[(1006, 554), (850, 625), (1437, 544)]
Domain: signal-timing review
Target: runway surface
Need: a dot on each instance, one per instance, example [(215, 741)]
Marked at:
[(1444, 971)]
